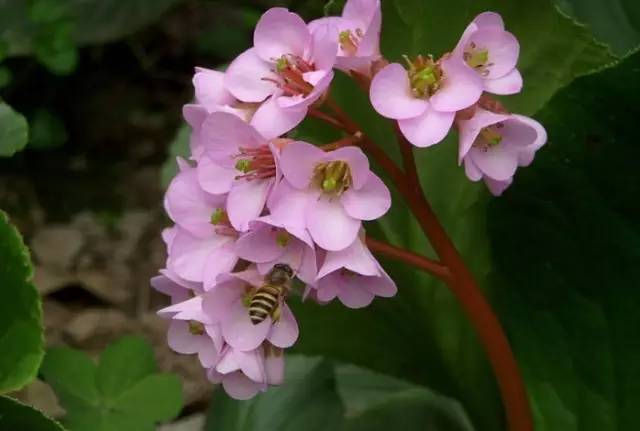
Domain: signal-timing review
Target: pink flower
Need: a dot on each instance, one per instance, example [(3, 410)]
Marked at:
[(239, 161), (493, 145), (358, 34), (228, 305), (268, 243), (211, 96), (289, 66), (329, 193), (425, 98), (201, 245), (354, 276), (492, 52), (245, 373)]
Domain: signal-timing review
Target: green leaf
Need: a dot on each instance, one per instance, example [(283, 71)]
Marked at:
[(15, 416), (5, 76), (94, 21), (615, 22), (47, 131), (431, 339), (13, 131), (179, 147), (566, 240), (122, 393), (21, 340), (122, 364), (318, 395)]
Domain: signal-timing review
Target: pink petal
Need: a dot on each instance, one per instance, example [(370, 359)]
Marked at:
[(259, 244), (358, 163), (497, 187), (470, 129), (308, 269), (503, 50), (472, 171), (190, 206), (353, 293), (194, 115), (511, 83), (250, 363), (217, 302), (274, 368), (181, 340), (222, 135), (280, 32), (360, 10), (329, 224), (427, 129), (219, 261), (288, 206), (189, 254), (355, 258), (370, 43), (368, 203), (215, 333), (208, 354), (210, 90), (297, 162), (495, 162), (324, 46), (246, 201), (327, 288), (239, 387), (214, 178), (390, 94), (461, 86), (273, 121), (382, 286), (240, 332), (285, 331), (244, 77), (489, 19), (322, 80)]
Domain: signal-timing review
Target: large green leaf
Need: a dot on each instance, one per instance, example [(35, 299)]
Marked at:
[(21, 340), (122, 393), (319, 395), (94, 21), (15, 416), (13, 131), (615, 22), (422, 334), (567, 246)]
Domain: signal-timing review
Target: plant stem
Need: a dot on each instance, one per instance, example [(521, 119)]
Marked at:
[(428, 265), (460, 279), (475, 305)]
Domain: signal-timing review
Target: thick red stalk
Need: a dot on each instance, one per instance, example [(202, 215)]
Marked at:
[(460, 280)]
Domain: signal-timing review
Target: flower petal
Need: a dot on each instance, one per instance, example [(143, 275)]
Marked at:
[(353, 293), (297, 161), (214, 178), (219, 261), (244, 77), (427, 129), (259, 244), (272, 121), (240, 332), (461, 86), (288, 206), (489, 19), (497, 187), (280, 32), (472, 171), (181, 340), (239, 386), (368, 203), (284, 332), (274, 368), (470, 129), (246, 201), (355, 258), (390, 94), (329, 224), (496, 162), (189, 254), (502, 49), (222, 135), (511, 83), (210, 90)]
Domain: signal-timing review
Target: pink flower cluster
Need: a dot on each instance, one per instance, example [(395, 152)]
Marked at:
[(430, 96), (250, 202), (255, 212)]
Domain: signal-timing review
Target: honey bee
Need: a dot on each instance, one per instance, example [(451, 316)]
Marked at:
[(266, 300)]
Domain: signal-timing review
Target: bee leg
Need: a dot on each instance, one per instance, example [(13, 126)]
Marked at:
[(275, 316)]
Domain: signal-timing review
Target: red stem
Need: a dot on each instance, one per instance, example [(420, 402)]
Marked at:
[(460, 279), (431, 266)]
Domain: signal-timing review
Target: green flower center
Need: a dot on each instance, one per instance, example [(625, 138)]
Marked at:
[(332, 177), (283, 238), (243, 165), (477, 58), (219, 216), (425, 76), (196, 328), (489, 137)]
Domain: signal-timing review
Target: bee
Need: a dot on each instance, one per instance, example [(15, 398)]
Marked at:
[(266, 299)]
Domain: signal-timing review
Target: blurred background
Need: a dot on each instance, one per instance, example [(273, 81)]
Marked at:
[(101, 84)]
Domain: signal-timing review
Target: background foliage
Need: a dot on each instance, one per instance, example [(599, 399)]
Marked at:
[(100, 84)]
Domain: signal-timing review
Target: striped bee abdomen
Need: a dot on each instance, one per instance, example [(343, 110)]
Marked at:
[(264, 302)]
